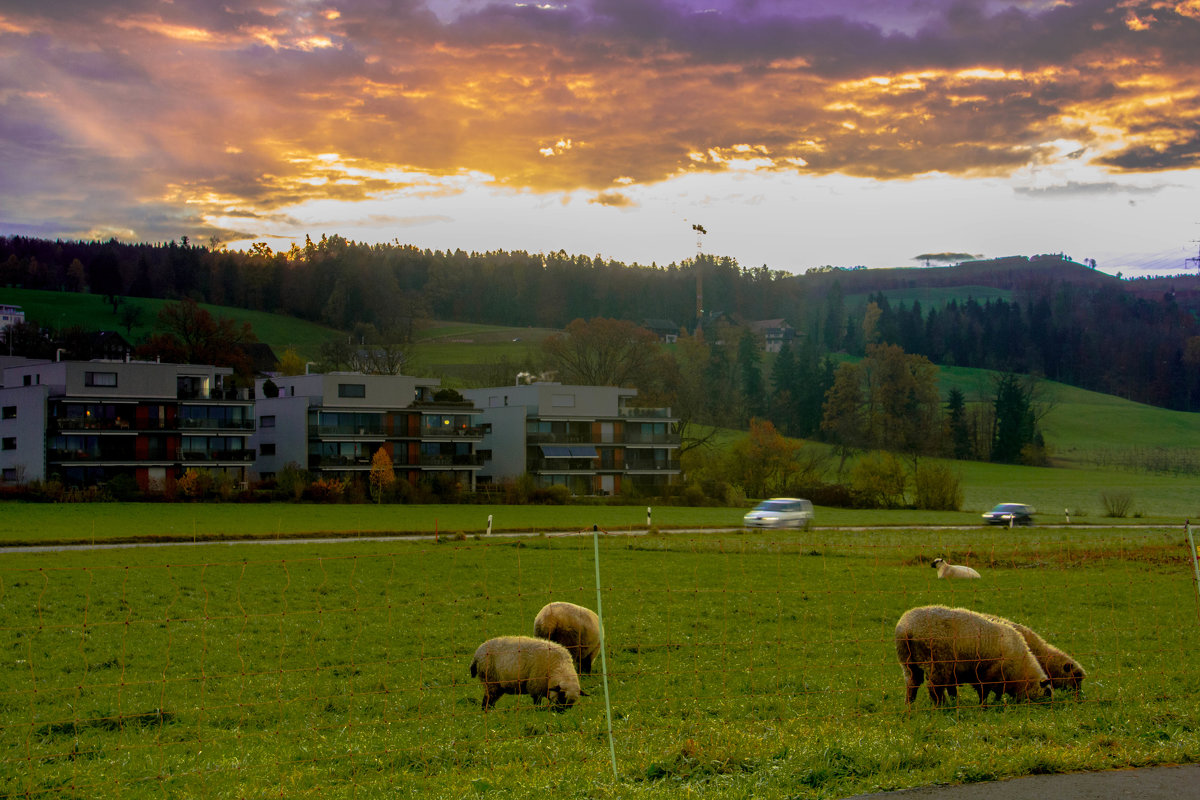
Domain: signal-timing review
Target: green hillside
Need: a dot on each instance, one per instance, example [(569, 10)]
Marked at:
[(62, 309)]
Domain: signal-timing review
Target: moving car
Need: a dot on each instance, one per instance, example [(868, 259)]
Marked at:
[(1010, 514), (780, 512)]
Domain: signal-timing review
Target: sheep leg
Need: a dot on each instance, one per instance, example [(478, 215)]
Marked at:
[(913, 678)]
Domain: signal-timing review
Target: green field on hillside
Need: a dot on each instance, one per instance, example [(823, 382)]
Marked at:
[(61, 309), (933, 296), (738, 666)]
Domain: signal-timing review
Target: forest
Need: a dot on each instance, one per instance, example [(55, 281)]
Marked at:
[(1138, 339)]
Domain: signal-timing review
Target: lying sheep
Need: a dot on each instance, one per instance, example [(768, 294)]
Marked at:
[(952, 647), (946, 570), (574, 627), (1064, 672), (524, 665)]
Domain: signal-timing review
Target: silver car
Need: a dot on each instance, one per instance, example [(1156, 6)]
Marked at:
[(780, 512)]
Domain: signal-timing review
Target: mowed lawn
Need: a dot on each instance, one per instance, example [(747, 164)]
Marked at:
[(739, 665)]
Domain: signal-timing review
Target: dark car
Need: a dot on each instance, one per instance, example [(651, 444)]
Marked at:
[(1010, 514)]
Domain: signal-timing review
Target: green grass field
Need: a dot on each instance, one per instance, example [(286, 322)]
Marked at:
[(60, 309), (740, 665)]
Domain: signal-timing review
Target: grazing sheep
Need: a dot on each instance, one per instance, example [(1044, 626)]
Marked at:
[(574, 627), (946, 570), (1064, 672), (524, 665), (956, 646)]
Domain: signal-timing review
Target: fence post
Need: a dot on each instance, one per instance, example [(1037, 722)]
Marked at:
[(489, 533), (647, 516), (612, 750)]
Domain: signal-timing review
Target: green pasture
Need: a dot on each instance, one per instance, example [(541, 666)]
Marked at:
[(62, 309), (739, 666)]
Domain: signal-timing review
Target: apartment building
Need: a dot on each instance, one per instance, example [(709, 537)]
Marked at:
[(591, 439), (87, 422), (334, 423)]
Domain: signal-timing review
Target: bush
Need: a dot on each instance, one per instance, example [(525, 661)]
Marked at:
[(550, 495), (937, 487), (880, 480), (1116, 503), (122, 488), (292, 481)]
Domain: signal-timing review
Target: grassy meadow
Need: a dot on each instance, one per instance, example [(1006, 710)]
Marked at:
[(739, 665)]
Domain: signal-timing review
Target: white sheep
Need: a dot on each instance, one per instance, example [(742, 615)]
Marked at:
[(574, 627), (954, 647), (947, 570), (1063, 670), (524, 665)]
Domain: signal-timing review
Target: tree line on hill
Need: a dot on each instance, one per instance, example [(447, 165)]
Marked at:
[(1063, 321)]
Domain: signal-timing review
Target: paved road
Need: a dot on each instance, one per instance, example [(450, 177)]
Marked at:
[(1149, 783)]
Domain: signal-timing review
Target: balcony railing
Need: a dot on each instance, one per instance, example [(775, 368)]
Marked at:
[(632, 437), (669, 465), (471, 460), (450, 432), (216, 424), (559, 438), (346, 430), (243, 394), (216, 455), (644, 413)]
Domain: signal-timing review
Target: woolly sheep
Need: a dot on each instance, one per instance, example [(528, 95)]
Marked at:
[(1063, 670), (524, 665), (946, 570), (574, 627), (952, 647)]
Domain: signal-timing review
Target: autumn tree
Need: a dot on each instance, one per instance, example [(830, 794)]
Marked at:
[(383, 474), (290, 363), (763, 462), (188, 334), (602, 352)]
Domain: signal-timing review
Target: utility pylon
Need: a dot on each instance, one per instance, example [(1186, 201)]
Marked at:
[(700, 232)]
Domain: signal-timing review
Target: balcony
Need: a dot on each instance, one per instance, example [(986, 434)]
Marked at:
[(650, 465), (632, 437), (243, 394), (322, 431), (471, 460), (186, 424), (214, 455), (330, 462), (629, 412), (587, 465), (448, 432), (559, 438)]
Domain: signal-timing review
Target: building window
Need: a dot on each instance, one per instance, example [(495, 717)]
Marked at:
[(31, 380), (99, 379), (266, 449), (266, 421), (352, 390), (10, 474), (10, 412), (8, 443), (563, 401)]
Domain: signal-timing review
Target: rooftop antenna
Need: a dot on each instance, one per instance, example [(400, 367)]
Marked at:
[(700, 232)]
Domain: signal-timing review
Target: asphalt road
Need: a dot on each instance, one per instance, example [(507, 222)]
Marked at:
[(1148, 783)]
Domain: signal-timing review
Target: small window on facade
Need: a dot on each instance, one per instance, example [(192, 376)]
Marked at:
[(8, 443), (10, 474), (352, 390), (266, 421), (266, 449), (10, 412), (99, 379)]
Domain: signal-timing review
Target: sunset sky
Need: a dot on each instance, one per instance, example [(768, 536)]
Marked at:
[(798, 134)]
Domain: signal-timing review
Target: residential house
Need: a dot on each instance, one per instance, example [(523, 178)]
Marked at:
[(334, 423), (591, 439), (87, 422), (774, 333)]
